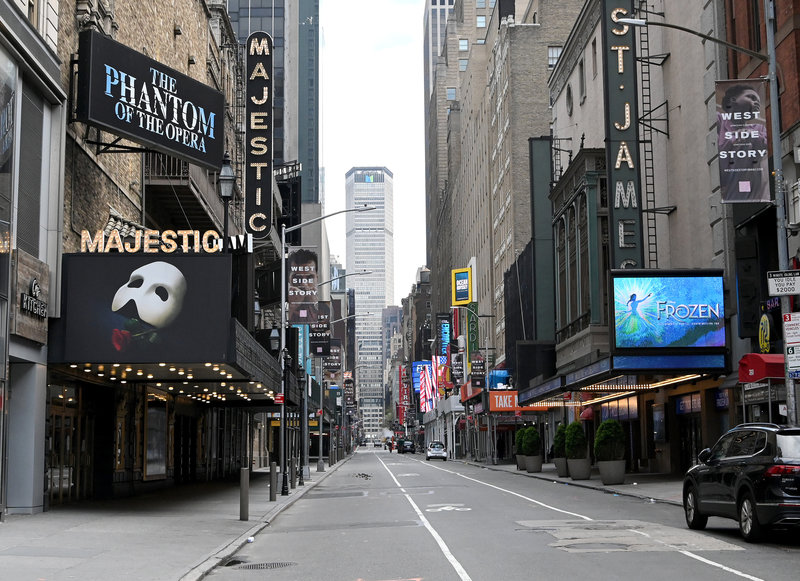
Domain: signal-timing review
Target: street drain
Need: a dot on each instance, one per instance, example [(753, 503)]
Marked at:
[(259, 566)]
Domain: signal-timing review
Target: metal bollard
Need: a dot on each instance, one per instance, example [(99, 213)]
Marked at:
[(292, 473), (273, 481), (244, 494)]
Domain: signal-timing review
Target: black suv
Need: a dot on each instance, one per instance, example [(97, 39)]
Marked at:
[(752, 475), (406, 447)]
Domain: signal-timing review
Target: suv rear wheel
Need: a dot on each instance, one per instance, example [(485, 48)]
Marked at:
[(749, 525)]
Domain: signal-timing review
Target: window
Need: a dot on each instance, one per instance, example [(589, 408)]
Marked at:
[(481, 21), (581, 81), (463, 44), (480, 3), (553, 52), (462, 64), (594, 57), (451, 93)]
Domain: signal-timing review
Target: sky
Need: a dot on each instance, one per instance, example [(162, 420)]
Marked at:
[(372, 115)]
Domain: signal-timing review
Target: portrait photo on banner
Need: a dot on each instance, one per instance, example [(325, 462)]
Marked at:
[(742, 141)]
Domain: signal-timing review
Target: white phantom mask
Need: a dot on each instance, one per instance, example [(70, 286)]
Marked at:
[(157, 289)]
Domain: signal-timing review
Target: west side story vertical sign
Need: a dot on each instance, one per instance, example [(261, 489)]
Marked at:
[(258, 135), (622, 136)]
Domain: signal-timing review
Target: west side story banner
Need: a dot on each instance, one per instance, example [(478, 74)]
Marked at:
[(742, 140)]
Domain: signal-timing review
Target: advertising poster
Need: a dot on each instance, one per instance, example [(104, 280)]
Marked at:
[(742, 140), (301, 292), (668, 311)]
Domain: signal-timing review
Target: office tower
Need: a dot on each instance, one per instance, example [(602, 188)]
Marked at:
[(434, 24), (370, 247)]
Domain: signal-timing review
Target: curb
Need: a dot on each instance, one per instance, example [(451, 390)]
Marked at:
[(215, 558), (579, 484)]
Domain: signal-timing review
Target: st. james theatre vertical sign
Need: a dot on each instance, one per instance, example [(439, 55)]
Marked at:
[(258, 135), (622, 136)]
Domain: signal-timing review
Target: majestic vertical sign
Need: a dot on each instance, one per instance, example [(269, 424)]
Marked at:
[(742, 140), (622, 136), (258, 134)]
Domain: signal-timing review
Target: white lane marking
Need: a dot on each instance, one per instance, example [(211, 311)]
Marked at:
[(681, 551), (462, 574)]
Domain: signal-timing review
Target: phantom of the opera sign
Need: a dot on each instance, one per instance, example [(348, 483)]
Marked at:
[(622, 139), (258, 134), (128, 94)]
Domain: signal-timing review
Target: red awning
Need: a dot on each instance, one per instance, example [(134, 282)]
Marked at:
[(758, 366)]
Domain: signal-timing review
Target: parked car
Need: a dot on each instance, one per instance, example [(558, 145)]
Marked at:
[(436, 450), (752, 475)]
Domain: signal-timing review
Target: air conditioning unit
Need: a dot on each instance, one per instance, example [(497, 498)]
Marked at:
[(793, 206)]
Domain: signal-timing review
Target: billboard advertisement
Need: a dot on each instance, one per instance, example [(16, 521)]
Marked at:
[(145, 308), (416, 371), (301, 291), (742, 140), (131, 95), (668, 309), (462, 286), (319, 335)]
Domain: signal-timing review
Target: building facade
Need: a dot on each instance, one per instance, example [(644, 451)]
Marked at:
[(370, 247)]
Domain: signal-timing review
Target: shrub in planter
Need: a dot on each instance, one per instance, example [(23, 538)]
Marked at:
[(609, 450), (609, 441), (560, 452), (575, 441), (518, 441), (531, 443), (560, 442)]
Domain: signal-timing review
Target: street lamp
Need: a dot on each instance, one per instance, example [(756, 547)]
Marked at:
[(226, 181), (777, 155), (284, 231), (359, 273)]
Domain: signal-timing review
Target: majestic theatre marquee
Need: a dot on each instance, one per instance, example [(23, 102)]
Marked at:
[(133, 96)]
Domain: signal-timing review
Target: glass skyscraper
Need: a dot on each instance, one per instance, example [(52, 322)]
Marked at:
[(370, 247)]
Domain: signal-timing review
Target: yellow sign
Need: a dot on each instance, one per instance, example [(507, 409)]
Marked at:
[(462, 286)]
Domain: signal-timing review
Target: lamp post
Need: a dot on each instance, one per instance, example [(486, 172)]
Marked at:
[(226, 181), (777, 156), (284, 383)]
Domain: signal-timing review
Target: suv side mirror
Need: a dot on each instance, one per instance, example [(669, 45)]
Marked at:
[(704, 455)]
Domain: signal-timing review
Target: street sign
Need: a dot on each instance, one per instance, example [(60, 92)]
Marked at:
[(791, 335), (793, 357), (278, 398), (783, 282)]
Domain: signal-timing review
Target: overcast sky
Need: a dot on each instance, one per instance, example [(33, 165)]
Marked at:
[(372, 115)]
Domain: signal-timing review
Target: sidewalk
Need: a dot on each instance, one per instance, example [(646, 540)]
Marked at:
[(666, 488), (181, 533)]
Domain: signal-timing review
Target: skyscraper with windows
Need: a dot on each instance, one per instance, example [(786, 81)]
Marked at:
[(370, 247)]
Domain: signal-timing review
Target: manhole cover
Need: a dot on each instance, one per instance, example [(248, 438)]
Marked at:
[(253, 566)]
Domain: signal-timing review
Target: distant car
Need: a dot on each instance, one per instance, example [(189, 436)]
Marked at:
[(376, 444), (436, 450), (407, 447), (752, 475)]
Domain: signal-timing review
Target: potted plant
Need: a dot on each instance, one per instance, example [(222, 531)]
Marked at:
[(560, 451), (518, 446), (609, 451), (532, 449), (580, 467)]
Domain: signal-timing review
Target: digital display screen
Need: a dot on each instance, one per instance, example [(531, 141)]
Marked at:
[(668, 311)]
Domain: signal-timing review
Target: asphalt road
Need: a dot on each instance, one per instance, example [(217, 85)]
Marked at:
[(390, 517)]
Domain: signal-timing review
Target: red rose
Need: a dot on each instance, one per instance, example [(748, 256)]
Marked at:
[(120, 339)]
